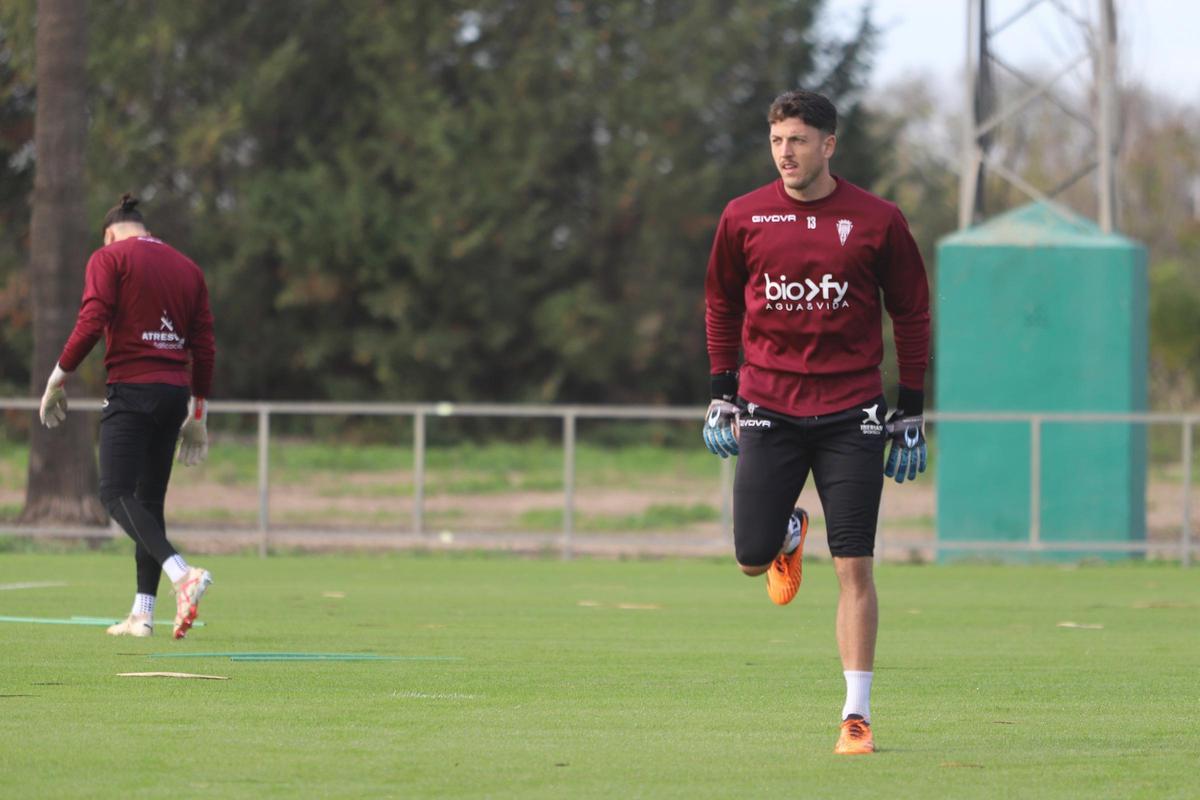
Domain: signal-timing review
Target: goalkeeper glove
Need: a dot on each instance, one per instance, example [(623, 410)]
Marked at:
[(905, 427), (720, 421), (54, 401), (193, 436)]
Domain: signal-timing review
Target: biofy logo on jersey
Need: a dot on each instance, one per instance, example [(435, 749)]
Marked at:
[(773, 218), (828, 295)]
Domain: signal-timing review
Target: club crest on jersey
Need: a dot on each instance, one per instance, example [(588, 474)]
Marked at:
[(843, 229), (871, 426), (809, 295)]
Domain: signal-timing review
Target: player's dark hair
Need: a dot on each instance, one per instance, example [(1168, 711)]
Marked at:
[(809, 107), (123, 211)]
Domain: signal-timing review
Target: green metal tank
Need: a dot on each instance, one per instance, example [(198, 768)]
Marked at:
[(1038, 310)]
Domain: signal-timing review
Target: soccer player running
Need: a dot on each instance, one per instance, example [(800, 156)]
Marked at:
[(151, 303), (799, 272)]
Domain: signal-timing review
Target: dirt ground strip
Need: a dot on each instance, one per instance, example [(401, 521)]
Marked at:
[(909, 506), (214, 517), (914, 501)]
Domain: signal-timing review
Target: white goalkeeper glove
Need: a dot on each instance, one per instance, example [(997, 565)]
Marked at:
[(54, 401), (193, 436)]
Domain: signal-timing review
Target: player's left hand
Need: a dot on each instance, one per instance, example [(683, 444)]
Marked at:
[(54, 400), (193, 436), (908, 453)]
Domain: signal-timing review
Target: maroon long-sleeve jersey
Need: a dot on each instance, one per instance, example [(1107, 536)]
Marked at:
[(151, 303), (800, 288)]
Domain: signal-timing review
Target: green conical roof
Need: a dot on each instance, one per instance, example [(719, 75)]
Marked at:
[(1038, 224)]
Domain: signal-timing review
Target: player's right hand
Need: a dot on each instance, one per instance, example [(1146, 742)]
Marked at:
[(54, 400), (720, 428), (193, 436)]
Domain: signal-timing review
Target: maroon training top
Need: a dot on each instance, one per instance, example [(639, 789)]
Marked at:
[(798, 285), (151, 303)]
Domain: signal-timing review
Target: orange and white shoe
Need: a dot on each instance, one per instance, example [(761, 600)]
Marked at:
[(785, 574), (140, 625), (188, 591), (855, 738)]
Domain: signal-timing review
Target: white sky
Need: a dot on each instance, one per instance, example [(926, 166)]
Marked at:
[(1157, 39)]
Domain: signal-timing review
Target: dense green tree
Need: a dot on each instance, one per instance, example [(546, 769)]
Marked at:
[(16, 187), (1160, 205), (490, 200)]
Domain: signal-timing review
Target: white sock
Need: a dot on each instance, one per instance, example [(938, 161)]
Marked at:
[(143, 604), (175, 567), (858, 694), (792, 540)]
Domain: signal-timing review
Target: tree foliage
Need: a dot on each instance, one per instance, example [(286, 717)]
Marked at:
[(16, 187), (490, 200), (1158, 194), (1161, 206)]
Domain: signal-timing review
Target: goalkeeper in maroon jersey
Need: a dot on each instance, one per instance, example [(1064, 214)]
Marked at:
[(800, 273), (151, 304)]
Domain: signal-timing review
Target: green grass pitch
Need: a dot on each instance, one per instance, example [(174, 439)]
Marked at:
[(594, 678)]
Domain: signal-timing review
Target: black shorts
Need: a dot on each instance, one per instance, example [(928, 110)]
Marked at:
[(844, 452)]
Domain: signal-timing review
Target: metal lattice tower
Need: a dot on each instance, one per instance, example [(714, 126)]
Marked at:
[(985, 114)]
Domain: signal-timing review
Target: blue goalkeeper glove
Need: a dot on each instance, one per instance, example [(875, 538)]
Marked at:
[(721, 419), (720, 428), (905, 426)]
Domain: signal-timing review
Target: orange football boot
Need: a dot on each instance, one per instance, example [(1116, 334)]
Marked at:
[(855, 738), (783, 578)]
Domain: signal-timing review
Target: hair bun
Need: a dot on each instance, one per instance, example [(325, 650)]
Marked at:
[(128, 202)]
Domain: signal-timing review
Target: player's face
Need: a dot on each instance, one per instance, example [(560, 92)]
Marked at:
[(801, 152)]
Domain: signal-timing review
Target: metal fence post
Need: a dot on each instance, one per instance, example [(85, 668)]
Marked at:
[(264, 491), (1035, 482), (727, 498), (418, 513), (568, 483), (1186, 533)]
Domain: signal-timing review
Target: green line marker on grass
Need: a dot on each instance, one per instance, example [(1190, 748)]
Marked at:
[(44, 621), (110, 621), (31, 585), (94, 621), (333, 657), (304, 657)]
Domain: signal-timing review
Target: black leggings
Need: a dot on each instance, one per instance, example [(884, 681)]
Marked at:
[(138, 428)]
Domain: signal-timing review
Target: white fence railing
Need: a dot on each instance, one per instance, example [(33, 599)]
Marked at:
[(569, 415)]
